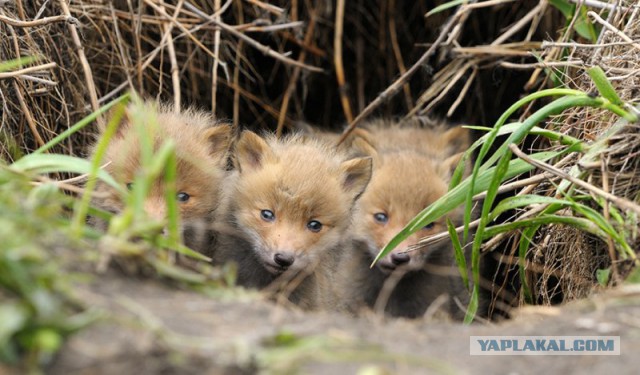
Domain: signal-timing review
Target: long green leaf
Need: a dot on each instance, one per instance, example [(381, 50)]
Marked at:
[(82, 208), (576, 222), (461, 261), (523, 201), (525, 240), (41, 164), (472, 309), (604, 86)]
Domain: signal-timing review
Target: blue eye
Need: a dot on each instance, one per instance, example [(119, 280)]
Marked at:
[(429, 226), (267, 215), (381, 218), (183, 197), (314, 226)]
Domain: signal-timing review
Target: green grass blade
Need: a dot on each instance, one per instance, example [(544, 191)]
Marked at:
[(583, 224), (180, 248), (82, 208), (604, 86), (42, 164), (7, 66), (461, 261), (473, 306), (523, 201), (168, 155), (445, 6), (525, 240)]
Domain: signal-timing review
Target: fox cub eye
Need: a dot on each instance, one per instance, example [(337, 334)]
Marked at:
[(183, 197), (314, 226), (267, 215), (130, 186), (381, 218), (429, 226)]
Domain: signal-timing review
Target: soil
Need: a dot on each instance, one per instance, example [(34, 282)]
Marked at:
[(153, 328)]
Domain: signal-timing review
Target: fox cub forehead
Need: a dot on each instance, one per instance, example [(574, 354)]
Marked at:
[(198, 139), (298, 176), (405, 181)]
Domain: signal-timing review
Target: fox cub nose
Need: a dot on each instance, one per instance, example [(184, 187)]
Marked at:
[(400, 258), (283, 259)]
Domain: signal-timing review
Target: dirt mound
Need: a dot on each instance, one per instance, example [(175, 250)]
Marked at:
[(149, 328)]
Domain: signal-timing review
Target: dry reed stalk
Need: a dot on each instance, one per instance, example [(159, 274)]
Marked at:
[(294, 79)]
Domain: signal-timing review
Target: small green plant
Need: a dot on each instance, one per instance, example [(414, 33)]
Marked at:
[(38, 309)]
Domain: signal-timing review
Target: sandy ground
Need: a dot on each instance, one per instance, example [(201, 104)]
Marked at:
[(152, 328)]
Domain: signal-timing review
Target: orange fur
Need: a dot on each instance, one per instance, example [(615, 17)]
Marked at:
[(299, 181), (201, 152)]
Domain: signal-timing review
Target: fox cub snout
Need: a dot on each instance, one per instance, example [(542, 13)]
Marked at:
[(290, 204)]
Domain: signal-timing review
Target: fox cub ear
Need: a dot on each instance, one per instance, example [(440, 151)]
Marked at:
[(359, 133), (356, 174), (361, 147), (219, 139), (252, 151), (449, 165), (457, 139), (124, 123)]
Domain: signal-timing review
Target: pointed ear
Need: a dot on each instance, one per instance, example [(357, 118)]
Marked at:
[(252, 151), (358, 133), (356, 174), (360, 147), (219, 139), (449, 165), (124, 124), (457, 139)]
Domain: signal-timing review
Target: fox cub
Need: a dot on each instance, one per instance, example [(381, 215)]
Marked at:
[(411, 169), (289, 205), (201, 146)]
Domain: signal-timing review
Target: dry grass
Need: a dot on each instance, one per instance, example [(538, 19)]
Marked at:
[(262, 65)]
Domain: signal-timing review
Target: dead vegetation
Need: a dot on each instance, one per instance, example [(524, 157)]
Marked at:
[(268, 65)]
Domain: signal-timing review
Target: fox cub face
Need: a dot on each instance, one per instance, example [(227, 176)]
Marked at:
[(404, 182), (201, 152), (293, 198)]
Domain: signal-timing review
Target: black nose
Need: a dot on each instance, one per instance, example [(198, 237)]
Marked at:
[(400, 258), (284, 260)]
